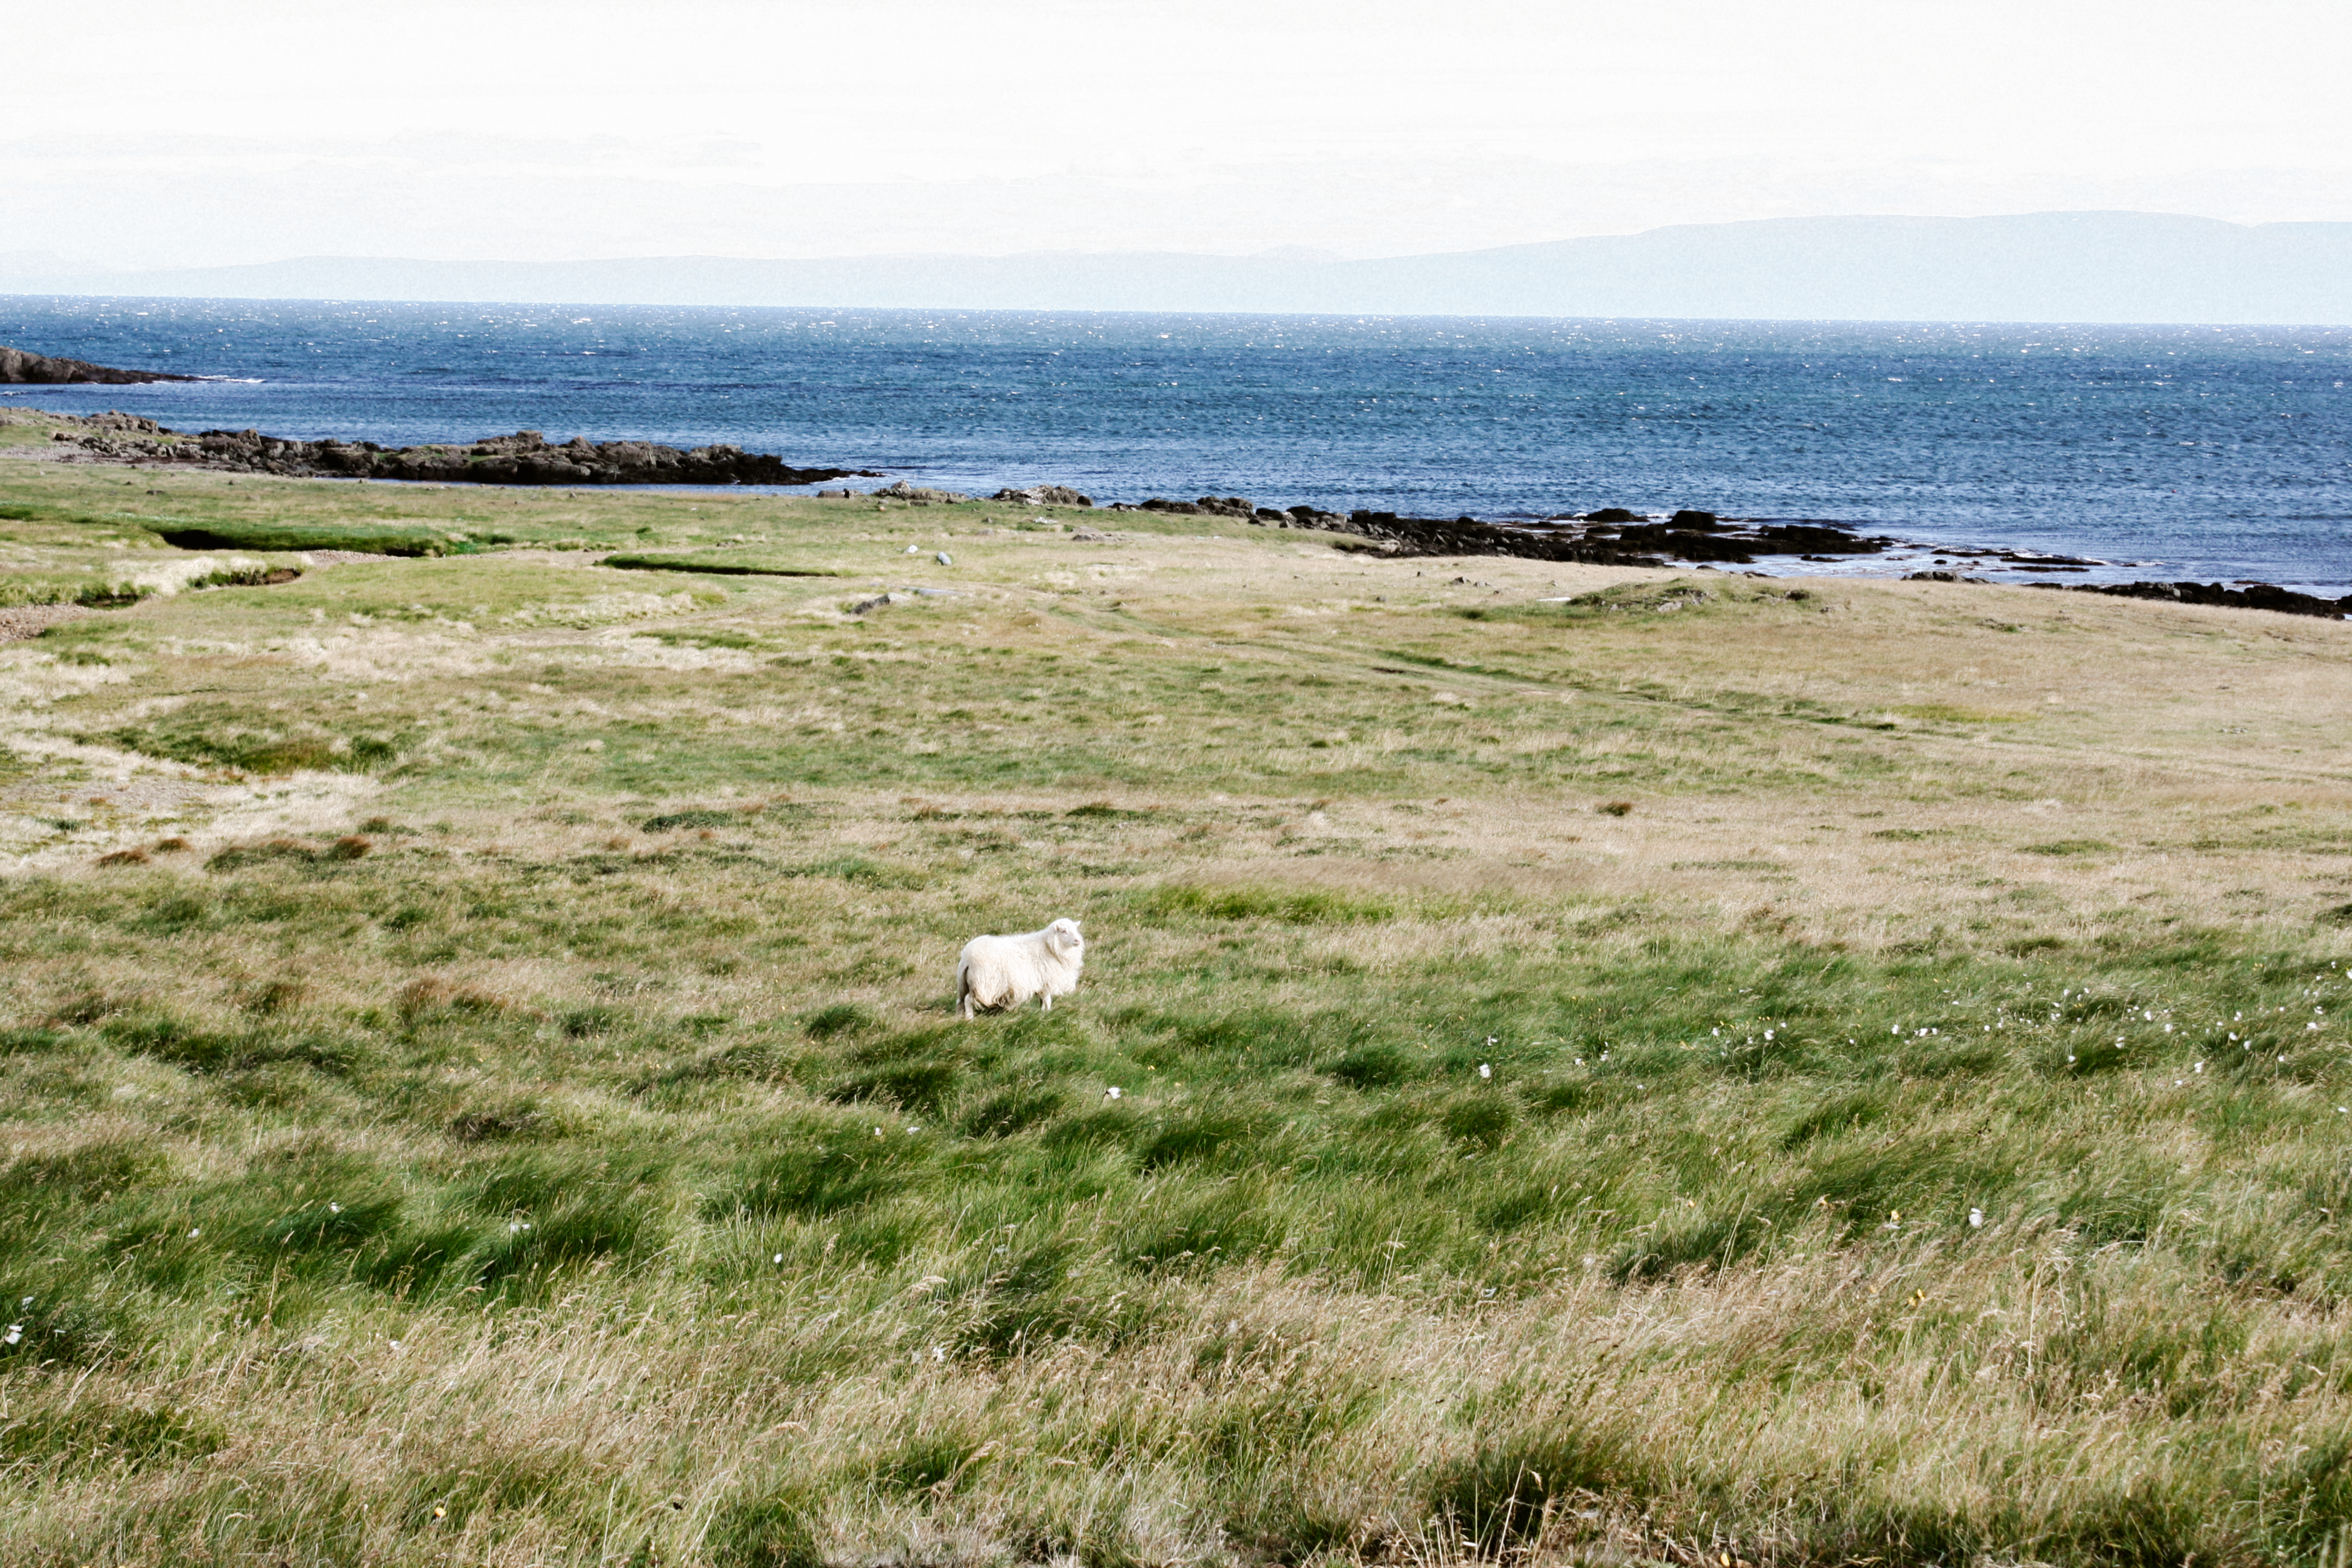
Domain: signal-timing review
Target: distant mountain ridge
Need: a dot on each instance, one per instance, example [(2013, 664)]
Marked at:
[(2036, 266)]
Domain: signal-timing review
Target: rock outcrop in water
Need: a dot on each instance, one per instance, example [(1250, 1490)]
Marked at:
[(19, 368), (523, 458)]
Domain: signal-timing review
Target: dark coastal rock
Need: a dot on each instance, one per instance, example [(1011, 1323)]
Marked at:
[(1797, 538), (19, 368), (1679, 543), (2031, 560), (1405, 536), (1228, 506), (1611, 536), (1207, 506), (1941, 577), (916, 495), (1693, 536), (2252, 596), (523, 459), (1042, 495)]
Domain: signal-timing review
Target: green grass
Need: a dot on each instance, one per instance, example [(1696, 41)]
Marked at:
[(1585, 1092)]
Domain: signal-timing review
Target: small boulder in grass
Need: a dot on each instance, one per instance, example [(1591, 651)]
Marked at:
[(1615, 808)]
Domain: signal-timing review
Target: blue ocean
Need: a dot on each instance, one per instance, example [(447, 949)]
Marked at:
[(2214, 453)]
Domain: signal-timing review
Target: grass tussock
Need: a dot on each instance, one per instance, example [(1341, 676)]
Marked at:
[(549, 1137)]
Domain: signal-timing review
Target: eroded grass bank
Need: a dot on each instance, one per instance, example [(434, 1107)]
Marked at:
[(1804, 1080)]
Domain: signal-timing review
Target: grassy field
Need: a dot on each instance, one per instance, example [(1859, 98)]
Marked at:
[(1613, 1066)]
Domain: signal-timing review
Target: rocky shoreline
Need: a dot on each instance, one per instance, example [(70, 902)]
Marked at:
[(2252, 596), (1614, 536), (1611, 536), (525, 458), (20, 368), (1608, 536)]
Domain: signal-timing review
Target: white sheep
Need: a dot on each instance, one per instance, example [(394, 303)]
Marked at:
[(1006, 971)]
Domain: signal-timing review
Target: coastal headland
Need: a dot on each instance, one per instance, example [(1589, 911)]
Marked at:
[(1606, 536), (1614, 1063), (525, 458), (19, 368)]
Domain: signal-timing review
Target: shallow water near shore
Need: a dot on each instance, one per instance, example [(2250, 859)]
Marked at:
[(2212, 452)]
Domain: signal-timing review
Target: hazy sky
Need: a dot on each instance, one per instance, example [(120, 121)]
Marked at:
[(176, 134)]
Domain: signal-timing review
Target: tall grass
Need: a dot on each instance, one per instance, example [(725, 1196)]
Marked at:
[(544, 1135)]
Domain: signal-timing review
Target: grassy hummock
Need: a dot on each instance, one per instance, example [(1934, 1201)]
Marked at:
[(1610, 1066)]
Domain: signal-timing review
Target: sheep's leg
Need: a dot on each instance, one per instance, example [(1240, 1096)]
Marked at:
[(1046, 1002)]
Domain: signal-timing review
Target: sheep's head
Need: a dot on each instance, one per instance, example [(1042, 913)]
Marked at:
[(1064, 935)]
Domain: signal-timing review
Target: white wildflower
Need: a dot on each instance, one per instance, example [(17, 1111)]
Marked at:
[(1976, 1218), (1111, 1093), (1486, 1071)]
